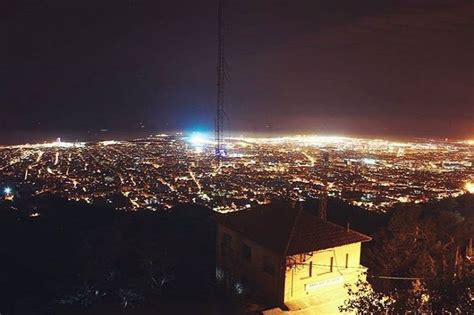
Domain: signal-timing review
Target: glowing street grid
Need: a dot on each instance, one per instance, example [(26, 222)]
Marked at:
[(160, 171)]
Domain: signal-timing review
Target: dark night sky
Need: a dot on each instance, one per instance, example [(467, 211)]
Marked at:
[(390, 68)]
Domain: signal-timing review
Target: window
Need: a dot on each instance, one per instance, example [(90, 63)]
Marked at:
[(347, 261), (268, 266), (246, 252), (331, 264)]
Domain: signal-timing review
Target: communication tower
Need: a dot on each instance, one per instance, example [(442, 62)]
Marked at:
[(220, 151), (323, 204)]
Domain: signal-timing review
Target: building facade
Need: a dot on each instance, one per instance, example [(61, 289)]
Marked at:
[(289, 257)]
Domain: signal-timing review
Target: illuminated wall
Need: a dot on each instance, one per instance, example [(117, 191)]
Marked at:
[(309, 283), (320, 277)]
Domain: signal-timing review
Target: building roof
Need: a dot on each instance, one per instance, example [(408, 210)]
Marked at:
[(286, 230)]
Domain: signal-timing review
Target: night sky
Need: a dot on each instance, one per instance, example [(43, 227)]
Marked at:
[(386, 68)]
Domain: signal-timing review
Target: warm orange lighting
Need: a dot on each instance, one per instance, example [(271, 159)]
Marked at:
[(469, 186)]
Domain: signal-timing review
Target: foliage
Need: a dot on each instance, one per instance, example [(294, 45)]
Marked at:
[(425, 242), (78, 255), (418, 242), (84, 297), (362, 299), (452, 296), (129, 297), (424, 297)]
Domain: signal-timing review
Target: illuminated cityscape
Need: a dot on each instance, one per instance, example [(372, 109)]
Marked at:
[(161, 171), (230, 157)]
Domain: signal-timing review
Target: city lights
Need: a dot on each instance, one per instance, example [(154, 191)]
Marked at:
[(368, 161), (317, 155), (158, 171), (198, 138), (469, 186), (109, 142), (54, 144)]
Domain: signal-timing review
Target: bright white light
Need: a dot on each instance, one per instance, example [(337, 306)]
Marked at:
[(109, 142), (369, 161), (49, 145), (7, 190), (469, 186), (197, 138)]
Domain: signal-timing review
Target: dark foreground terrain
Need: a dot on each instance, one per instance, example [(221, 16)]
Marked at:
[(63, 257)]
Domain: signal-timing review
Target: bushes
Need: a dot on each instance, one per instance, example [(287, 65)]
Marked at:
[(75, 254)]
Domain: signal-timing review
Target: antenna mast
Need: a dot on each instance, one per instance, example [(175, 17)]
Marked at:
[(323, 203), (219, 120)]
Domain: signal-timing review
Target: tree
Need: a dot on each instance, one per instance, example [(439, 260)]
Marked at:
[(426, 243), (440, 296), (364, 300), (452, 295)]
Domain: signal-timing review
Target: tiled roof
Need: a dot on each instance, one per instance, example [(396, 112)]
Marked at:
[(271, 227)]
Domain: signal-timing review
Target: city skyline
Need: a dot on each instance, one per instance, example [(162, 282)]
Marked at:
[(237, 157), (159, 171), (26, 137)]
